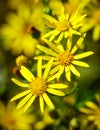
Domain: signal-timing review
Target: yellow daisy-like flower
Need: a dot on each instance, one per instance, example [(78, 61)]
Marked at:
[(37, 87), (64, 60), (93, 21), (63, 26), (18, 33), (12, 119), (92, 111)]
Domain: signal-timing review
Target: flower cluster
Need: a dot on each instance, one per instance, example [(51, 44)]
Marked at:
[(47, 45)]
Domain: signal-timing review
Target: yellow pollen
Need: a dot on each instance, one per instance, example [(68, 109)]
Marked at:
[(65, 58), (63, 25), (38, 86)]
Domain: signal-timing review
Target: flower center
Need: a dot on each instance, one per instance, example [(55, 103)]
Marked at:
[(63, 25), (38, 86), (65, 58), (96, 16)]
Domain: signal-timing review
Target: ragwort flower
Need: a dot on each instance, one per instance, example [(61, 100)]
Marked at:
[(63, 26), (18, 32), (37, 87), (17, 3), (64, 60), (92, 111), (93, 21), (12, 119)]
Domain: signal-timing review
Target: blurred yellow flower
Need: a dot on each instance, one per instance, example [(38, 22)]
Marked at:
[(93, 21), (21, 32), (70, 5), (21, 60), (64, 59), (56, 6), (12, 119), (92, 111), (17, 3), (63, 26), (37, 87), (46, 120)]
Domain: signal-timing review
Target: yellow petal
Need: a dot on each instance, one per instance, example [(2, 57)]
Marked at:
[(49, 18), (74, 71), (39, 67), (28, 104), (96, 33), (91, 105), (69, 43), (80, 63), (20, 95), (59, 73), (85, 110), (58, 86), (43, 57), (48, 101), (46, 50), (47, 69), (27, 74), (52, 77), (83, 55), (79, 42), (60, 37), (91, 117), (19, 83), (52, 45), (56, 32), (55, 69), (55, 92), (24, 100), (68, 73), (41, 103)]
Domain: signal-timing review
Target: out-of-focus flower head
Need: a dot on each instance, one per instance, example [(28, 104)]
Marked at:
[(64, 59), (21, 60), (63, 25), (56, 6), (71, 5), (46, 120), (22, 31), (92, 112), (37, 87), (12, 119), (14, 4), (92, 21)]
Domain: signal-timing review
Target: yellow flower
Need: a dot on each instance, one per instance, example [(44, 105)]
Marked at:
[(17, 32), (93, 21), (70, 5), (58, 9), (63, 26), (11, 119), (21, 60), (46, 121), (37, 87), (17, 3), (64, 60), (92, 111)]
